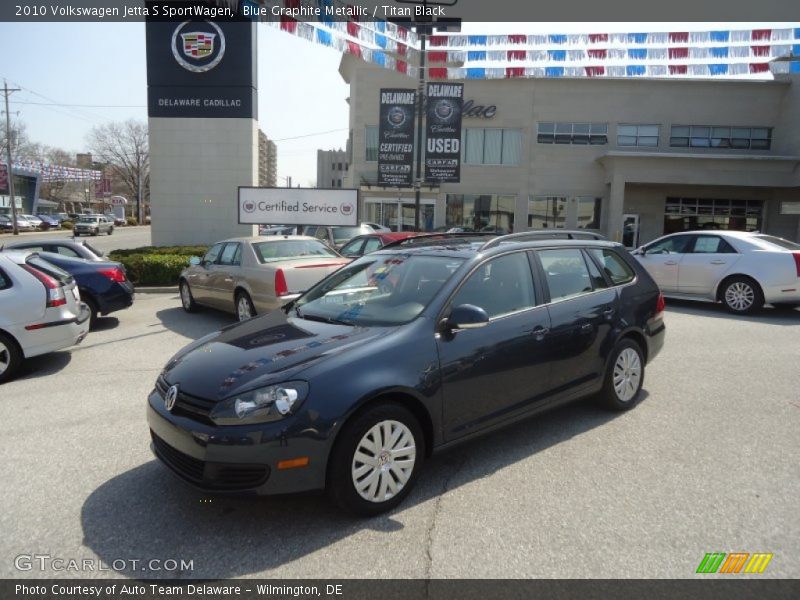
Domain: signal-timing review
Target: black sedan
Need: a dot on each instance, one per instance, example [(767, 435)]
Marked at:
[(401, 353), (104, 287)]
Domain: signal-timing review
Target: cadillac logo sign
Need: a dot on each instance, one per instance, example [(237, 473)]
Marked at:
[(171, 397), (198, 46)]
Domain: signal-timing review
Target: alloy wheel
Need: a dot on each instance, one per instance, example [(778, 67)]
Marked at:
[(383, 461), (627, 374), (243, 310), (739, 296)]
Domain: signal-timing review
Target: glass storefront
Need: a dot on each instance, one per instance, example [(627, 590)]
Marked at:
[(560, 212), (485, 212), (688, 214), (398, 215)]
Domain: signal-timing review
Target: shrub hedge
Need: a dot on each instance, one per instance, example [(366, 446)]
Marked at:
[(156, 265), (131, 221)]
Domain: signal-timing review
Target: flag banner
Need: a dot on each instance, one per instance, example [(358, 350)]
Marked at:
[(3, 179), (396, 137), (443, 132)]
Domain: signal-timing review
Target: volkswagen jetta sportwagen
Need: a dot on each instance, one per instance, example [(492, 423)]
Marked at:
[(401, 353)]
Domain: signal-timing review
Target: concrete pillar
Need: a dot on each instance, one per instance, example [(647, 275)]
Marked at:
[(616, 208)]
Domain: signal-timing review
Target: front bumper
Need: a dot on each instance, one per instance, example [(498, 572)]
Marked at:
[(241, 458)]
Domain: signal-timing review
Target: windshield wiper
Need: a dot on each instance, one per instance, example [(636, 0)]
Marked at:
[(330, 320)]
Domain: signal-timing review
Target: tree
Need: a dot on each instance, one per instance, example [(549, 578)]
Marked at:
[(124, 148)]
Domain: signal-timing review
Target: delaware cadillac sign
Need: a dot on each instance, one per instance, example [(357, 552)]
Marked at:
[(396, 137), (298, 206), (443, 132)]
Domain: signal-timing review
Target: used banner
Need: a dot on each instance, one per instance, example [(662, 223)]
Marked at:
[(443, 132), (396, 137)]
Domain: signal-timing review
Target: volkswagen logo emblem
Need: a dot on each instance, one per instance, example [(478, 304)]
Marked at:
[(170, 398)]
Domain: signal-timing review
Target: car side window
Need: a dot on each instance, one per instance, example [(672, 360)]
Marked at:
[(598, 281), (352, 248), (65, 251), (371, 245), (678, 244), (566, 273), (712, 244), (34, 248), (614, 265), (212, 254), (499, 286), (228, 255)]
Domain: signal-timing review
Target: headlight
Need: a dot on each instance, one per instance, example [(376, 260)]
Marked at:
[(261, 405)]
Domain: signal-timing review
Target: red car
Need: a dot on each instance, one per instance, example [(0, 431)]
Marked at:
[(364, 244)]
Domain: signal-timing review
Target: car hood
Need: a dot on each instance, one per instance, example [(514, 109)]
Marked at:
[(262, 351)]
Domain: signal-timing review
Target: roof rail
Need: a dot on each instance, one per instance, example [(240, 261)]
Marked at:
[(554, 234), (432, 238)]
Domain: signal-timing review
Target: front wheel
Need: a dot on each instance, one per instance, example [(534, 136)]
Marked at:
[(624, 377), (187, 300), (110, 230), (244, 306), (10, 358), (741, 295), (376, 460)]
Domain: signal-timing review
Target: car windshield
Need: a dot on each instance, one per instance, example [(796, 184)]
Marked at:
[(87, 219), (378, 290), (780, 242), (343, 234), (268, 252)]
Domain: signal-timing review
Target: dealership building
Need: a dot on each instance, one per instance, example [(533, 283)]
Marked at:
[(633, 158)]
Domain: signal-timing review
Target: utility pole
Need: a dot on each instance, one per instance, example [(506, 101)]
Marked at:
[(422, 31), (12, 198)]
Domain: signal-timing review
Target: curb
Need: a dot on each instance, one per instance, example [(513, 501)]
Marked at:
[(156, 289)]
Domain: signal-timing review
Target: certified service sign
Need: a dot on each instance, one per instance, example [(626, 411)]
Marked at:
[(198, 46), (298, 206)]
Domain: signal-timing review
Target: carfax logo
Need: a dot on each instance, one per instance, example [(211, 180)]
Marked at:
[(198, 46), (736, 562)]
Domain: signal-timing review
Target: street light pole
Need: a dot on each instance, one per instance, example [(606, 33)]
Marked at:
[(422, 32), (10, 171)]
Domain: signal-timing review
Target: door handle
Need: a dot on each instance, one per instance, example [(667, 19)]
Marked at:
[(228, 279), (608, 312), (587, 328), (670, 262), (717, 262), (540, 332)]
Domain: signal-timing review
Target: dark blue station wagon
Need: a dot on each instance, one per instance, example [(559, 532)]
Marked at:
[(401, 353)]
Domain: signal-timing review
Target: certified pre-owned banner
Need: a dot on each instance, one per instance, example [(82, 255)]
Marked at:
[(396, 137), (443, 147), (297, 206)]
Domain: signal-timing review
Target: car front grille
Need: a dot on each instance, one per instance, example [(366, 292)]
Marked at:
[(187, 405), (210, 475)]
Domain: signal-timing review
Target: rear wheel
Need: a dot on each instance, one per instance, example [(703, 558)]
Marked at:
[(741, 295), (92, 310), (187, 300), (10, 357), (244, 306), (376, 460), (110, 230), (624, 377)]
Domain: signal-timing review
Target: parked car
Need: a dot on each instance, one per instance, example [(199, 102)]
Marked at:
[(93, 225), (6, 224), (401, 353), (117, 221), (40, 310), (69, 248), (335, 237), (23, 224), (35, 221), (740, 269), (279, 230), (370, 242), (61, 217), (49, 221), (250, 276), (377, 227), (103, 286)]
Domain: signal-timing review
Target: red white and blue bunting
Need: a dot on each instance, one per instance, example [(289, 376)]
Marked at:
[(50, 172), (748, 53)]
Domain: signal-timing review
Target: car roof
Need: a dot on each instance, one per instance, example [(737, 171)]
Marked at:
[(268, 238), (28, 243), (470, 249)]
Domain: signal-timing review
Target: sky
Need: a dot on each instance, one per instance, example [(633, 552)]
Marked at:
[(85, 74)]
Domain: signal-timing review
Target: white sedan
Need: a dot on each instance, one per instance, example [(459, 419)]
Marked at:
[(740, 269), (40, 310)]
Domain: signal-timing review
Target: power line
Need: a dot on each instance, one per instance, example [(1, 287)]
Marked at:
[(297, 137), (84, 105)]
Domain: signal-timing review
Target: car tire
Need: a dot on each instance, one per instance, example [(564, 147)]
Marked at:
[(741, 295), (364, 487), (96, 232), (187, 300), (110, 230), (244, 306), (93, 311), (624, 377), (76, 234), (10, 357)]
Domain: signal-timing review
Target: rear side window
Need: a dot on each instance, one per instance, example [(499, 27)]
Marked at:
[(614, 265), (780, 242), (712, 244), (566, 273), (65, 251)]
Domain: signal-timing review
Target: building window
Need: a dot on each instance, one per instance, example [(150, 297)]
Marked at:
[(491, 146), (588, 213), (486, 212), (371, 135), (333, 183), (739, 138), (637, 135), (688, 214), (547, 212), (595, 134)]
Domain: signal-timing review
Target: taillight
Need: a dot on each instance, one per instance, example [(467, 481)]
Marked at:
[(281, 289), (114, 274), (661, 304), (55, 291), (796, 256)]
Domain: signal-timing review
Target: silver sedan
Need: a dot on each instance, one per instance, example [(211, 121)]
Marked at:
[(254, 275)]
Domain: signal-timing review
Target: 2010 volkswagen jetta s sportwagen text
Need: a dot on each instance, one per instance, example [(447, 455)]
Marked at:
[(401, 353)]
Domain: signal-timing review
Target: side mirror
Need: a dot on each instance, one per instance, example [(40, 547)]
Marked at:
[(195, 260), (641, 251), (467, 316)]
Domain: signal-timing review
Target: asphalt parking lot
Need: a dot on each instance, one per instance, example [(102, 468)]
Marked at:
[(708, 462)]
